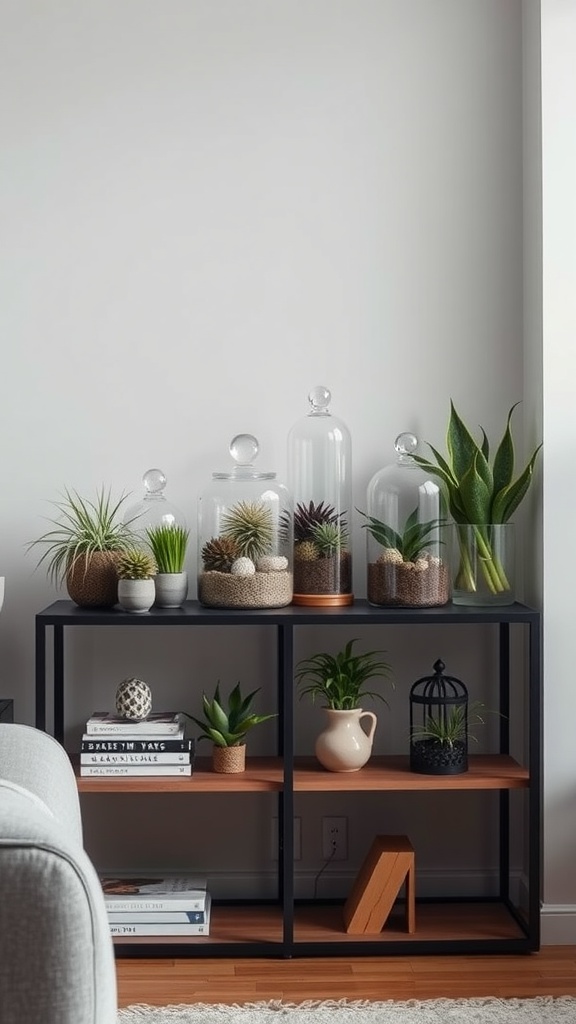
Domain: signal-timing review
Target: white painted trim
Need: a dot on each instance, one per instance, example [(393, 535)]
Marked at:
[(558, 924)]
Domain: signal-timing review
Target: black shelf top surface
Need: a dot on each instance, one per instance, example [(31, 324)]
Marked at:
[(66, 613)]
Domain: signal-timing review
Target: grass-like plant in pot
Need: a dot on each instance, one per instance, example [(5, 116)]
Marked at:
[(82, 548), (226, 722), (482, 494), (340, 681), (168, 543)]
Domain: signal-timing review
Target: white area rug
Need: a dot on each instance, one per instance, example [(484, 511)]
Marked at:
[(543, 1010)]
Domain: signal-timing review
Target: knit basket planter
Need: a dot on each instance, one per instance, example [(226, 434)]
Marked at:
[(93, 582), (229, 760)]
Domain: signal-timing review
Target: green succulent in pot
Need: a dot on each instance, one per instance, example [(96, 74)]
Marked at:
[(412, 542), (227, 720), (136, 564), (482, 492), (82, 548)]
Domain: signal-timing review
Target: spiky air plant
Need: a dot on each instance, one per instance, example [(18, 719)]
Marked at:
[(219, 553), (413, 540), (307, 517), (249, 524), (329, 538), (135, 564)]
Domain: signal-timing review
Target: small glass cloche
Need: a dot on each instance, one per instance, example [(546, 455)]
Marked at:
[(320, 479), (408, 560), (154, 509), (245, 535)]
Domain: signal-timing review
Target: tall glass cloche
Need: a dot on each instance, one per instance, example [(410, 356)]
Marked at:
[(154, 508), (320, 479), (245, 535), (406, 533)]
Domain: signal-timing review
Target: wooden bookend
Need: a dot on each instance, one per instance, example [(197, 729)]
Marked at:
[(388, 863)]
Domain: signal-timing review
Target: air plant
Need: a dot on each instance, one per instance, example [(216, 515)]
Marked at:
[(249, 524)]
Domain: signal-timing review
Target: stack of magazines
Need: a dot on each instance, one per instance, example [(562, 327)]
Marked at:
[(112, 745), (151, 905)]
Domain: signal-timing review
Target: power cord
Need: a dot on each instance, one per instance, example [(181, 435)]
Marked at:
[(323, 868)]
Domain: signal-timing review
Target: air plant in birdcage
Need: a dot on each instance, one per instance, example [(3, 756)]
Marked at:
[(414, 541), (482, 493), (249, 525)]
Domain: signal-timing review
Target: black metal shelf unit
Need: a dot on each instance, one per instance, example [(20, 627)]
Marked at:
[(293, 937)]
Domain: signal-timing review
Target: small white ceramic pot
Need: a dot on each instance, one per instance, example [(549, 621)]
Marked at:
[(136, 595), (171, 589)]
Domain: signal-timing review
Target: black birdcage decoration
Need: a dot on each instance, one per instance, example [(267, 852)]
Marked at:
[(439, 724)]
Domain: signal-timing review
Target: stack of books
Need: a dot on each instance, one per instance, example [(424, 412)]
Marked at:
[(171, 905), (112, 745)]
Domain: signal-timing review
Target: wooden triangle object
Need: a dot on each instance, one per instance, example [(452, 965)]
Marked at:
[(388, 864)]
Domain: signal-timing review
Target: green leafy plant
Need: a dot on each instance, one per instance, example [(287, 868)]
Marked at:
[(82, 529), (249, 524), (340, 680), (480, 492), (136, 564), (414, 539), (168, 543), (227, 721)]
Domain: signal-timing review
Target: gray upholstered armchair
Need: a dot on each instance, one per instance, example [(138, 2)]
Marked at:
[(56, 956)]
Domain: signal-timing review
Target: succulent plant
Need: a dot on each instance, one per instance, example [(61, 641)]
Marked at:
[(329, 538), (414, 539), (219, 553), (249, 525), (168, 543), (307, 517), (136, 564), (306, 551), (82, 529), (227, 727)]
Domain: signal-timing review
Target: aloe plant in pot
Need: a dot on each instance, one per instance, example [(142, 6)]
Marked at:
[(482, 494), (83, 547), (340, 682), (226, 722), (168, 543)]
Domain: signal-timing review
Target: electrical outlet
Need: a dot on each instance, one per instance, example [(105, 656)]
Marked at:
[(297, 826), (335, 838)]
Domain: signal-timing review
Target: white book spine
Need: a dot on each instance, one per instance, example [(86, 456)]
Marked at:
[(139, 905), (160, 929), (157, 917), (169, 757)]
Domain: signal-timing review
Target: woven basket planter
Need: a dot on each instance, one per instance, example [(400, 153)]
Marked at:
[(93, 583), (229, 760)]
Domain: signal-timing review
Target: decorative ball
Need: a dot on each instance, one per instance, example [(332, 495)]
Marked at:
[(243, 567), (272, 563), (133, 699)]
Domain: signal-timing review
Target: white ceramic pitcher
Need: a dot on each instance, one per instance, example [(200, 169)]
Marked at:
[(344, 746)]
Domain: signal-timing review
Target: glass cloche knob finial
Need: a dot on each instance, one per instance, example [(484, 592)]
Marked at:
[(244, 448), (319, 399), (406, 444), (154, 481)]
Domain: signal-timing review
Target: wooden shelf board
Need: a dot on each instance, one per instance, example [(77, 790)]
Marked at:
[(324, 924), (393, 773), (262, 775)]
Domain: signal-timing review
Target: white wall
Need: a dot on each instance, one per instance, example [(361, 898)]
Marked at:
[(559, 323), (209, 206)]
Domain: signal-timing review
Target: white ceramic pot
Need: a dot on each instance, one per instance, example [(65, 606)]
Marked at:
[(344, 746), (171, 589), (136, 595)]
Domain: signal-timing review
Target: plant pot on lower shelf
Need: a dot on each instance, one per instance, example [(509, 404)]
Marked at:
[(431, 757), (229, 760)]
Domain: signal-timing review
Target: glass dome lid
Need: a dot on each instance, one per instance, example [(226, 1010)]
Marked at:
[(244, 449), (154, 509)]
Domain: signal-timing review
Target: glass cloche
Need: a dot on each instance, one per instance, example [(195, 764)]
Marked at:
[(408, 560), (154, 509), (320, 480), (245, 535)]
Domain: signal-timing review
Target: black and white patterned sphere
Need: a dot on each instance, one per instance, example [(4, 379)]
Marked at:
[(133, 699)]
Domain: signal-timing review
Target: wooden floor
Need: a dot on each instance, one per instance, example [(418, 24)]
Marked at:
[(552, 971)]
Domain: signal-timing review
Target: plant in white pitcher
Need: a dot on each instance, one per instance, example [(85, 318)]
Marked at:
[(340, 682)]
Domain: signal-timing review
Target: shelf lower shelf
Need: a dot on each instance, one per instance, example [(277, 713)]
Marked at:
[(266, 775), (321, 926)]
